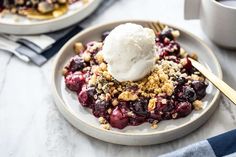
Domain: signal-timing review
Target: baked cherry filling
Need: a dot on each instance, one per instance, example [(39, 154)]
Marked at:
[(172, 90)]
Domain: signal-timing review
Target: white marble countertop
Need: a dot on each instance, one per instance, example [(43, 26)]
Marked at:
[(30, 124)]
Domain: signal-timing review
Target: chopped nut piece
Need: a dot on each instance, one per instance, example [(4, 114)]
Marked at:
[(103, 66), (197, 77), (95, 97), (108, 97), (64, 71), (163, 77), (115, 102), (99, 57), (127, 96), (175, 33), (96, 69), (102, 120), (194, 77), (86, 56), (197, 104), (106, 126), (130, 114), (168, 88), (92, 81), (152, 104), (13, 10), (164, 101), (154, 124), (94, 46), (107, 75), (99, 86), (183, 75), (166, 40), (152, 81), (183, 53), (111, 83), (197, 73), (157, 90), (119, 89), (157, 58), (193, 56), (174, 115), (105, 88), (184, 61), (99, 91), (109, 111), (114, 91), (79, 47), (102, 97)]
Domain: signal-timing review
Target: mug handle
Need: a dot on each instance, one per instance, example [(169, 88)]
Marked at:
[(191, 9)]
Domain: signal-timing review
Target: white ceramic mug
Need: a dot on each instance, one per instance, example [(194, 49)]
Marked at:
[(218, 21)]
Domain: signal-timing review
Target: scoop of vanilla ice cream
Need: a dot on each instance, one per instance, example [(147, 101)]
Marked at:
[(129, 52)]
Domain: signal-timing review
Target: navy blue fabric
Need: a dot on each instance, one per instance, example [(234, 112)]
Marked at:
[(224, 144), (58, 44)]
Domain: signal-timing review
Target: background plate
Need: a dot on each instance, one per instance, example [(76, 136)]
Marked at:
[(15, 24), (167, 130)]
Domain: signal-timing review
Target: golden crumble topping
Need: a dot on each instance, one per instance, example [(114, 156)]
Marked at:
[(158, 81), (197, 105)]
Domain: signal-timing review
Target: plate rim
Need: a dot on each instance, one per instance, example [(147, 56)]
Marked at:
[(58, 99)]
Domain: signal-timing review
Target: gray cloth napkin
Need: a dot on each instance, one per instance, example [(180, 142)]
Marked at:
[(40, 48)]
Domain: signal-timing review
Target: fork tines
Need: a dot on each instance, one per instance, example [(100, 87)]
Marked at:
[(157, 27)]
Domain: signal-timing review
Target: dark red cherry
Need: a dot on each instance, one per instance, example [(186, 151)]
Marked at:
[(75, 81), (200, 88), (140, 107), (76, 64), (86, 97), (184, 109), (189, 94), (100, 108), (118, 119)]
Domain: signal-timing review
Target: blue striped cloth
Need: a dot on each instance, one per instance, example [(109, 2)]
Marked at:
[(221, 145)]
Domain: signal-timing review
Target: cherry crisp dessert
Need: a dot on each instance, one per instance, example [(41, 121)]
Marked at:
[(172, 90)]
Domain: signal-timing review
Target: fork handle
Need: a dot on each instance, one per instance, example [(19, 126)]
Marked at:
[(221, 85)]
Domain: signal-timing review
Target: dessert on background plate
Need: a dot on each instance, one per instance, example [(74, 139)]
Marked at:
[(43, 16), (132, 76), (37, 9)]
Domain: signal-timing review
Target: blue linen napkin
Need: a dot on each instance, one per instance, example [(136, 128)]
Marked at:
[(221, 145)]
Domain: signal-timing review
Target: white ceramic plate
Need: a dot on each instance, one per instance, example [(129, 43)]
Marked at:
[(167, 130), (15, 24)]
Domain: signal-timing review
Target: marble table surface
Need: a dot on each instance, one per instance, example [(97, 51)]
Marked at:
[(31, 126)]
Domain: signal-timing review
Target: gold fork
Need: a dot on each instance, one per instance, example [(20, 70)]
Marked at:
[(156, 26), (221, 85)]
